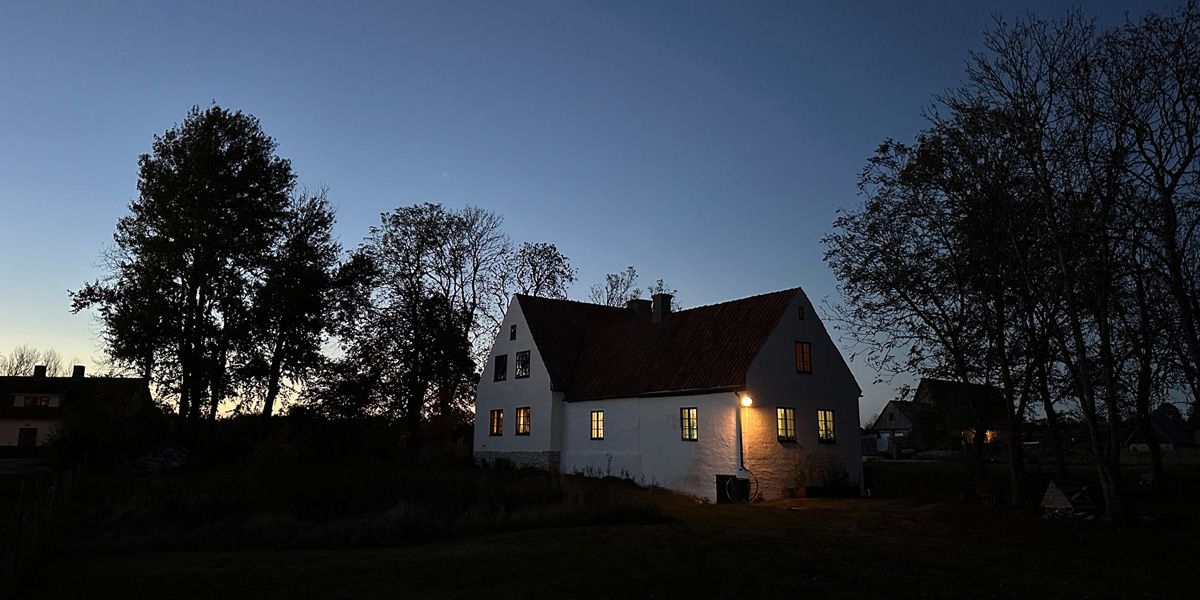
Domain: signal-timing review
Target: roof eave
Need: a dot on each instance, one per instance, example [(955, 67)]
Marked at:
[(666, 393)]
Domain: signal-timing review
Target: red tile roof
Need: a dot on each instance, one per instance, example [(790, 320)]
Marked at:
[(558, 327), (601, 352)]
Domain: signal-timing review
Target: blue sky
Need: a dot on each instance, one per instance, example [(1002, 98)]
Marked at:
[(707, 143)]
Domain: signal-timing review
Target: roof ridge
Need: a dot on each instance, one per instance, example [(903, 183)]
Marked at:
[(581, 302)]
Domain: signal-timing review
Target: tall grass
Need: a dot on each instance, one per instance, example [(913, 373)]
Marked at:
[(342, 505)]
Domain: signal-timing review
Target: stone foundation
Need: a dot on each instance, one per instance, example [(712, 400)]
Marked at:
[(547, 461)]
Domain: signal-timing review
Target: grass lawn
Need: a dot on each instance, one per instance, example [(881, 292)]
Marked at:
[(893, 547)]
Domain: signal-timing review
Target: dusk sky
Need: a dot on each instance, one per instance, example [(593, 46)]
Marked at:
[(706, 143)]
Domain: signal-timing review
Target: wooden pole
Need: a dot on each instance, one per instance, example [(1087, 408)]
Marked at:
[(20, 522)]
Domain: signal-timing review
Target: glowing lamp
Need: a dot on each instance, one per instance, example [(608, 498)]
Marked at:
[(747, 400)]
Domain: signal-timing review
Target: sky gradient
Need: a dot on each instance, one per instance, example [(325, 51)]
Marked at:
[(706, 143)]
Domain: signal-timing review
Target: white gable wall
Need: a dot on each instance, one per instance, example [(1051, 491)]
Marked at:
[(10, 430), (772, 382), (541, 446), (643, 441)]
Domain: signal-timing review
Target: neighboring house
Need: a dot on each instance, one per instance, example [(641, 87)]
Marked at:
[(956, 410), (893, 426), (659, 397), (1169, 435), (31, 408)]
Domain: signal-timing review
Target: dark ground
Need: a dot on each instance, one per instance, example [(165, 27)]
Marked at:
[(917, 538)]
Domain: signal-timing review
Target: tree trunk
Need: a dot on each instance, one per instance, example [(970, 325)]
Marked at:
[(273, 379), (1052, 426)]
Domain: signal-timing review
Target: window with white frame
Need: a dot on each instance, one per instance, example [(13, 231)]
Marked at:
[(785, 423), (597, 424), (825, 426), (523, 420), (497, 424), (501, 371), (688, 431), (522, 364)]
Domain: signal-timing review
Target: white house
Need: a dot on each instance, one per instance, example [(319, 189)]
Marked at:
[(32, 407), (751, 390)]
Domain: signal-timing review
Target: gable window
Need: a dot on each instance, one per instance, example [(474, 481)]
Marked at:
[(497, 425), (523, 421), (785, 423), (687, 424), (501, 368), (801, 311), (597, 424), (522, 364), (803, 357), (825, 426), (512, 332)]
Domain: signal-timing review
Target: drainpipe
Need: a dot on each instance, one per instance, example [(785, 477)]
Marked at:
[(743, 404)]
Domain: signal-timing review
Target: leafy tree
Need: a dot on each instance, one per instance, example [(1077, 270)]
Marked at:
[(429, 319), (176, 302), (293, 308), (1034, 235)]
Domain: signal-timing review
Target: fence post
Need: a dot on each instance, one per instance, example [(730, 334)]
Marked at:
[(20, 523)]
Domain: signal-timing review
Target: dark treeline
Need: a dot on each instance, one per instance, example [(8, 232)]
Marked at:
[(225, 283), (1041, 234), (225, 286)]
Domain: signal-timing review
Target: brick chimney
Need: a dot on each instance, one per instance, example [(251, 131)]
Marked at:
[(662, 306), (77, 373), (39, 371), (640, 307)]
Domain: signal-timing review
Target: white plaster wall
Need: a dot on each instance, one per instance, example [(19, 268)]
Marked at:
[(773, 382), (533, 391), (10, 428), (642, 441)]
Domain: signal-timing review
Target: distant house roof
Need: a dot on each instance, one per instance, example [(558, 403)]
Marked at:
[(595, 352), (970, 400), (74, 392), (907, 409), (1166, 431)]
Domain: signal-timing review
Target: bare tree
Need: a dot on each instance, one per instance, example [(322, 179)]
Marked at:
[(54, 363), (619, 288), (21, 361), (616, 290)]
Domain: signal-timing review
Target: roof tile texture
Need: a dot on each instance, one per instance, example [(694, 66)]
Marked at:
[(596, 352)]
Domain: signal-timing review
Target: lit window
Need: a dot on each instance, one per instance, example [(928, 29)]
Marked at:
[(597, 424), (37, 400), (803, 357), (501, 368), (523, 364), (497, 423), (825, 426), (687, 424), (786, 424), (512, 332), (523, 421)]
